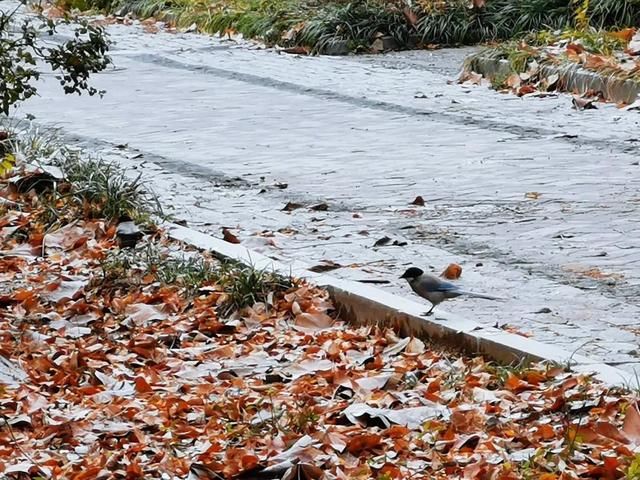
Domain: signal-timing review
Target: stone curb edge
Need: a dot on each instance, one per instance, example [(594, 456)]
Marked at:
[(572, 77), (362, 304)]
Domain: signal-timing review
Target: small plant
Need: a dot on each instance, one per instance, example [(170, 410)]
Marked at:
[(582, 14), (303, 420), (131, 265), (633, 472), (246, 286), (104, 190)]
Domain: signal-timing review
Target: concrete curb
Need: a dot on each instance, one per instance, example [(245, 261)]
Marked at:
[(363, 304), (572, 78)]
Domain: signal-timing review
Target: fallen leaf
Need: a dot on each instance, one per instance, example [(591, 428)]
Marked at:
[(415, 347), (325, 266), (361, 443), (631, 425), (514, 81), (410, 16), (381, 242), (471, 78), (228, 236), (304, 471), (290, 206), (320, 207), (580, 103), (525, 90), (419, 201), (452, 272), (315, 321), (532, 195), (299, 50)]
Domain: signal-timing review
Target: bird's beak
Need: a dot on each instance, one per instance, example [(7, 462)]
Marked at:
[(403, 276)]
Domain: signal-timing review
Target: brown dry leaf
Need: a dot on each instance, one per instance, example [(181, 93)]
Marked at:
[(304, 471), (575, 48), (452, 272), (364, 442), (152, 28), (314, 321), (626, 34), (320, 207), (631, 426), (595, 62), (291, 206), (516, 331), (299, 50), (532, 195), (581, 103), (325, 266), (69, 237), (472, 78), (525, 90), (418, 201), (54, 12), (228, 236), (514, 81), (411, 16)]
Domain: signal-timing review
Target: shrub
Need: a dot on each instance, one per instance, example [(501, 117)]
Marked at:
[(22, 46)]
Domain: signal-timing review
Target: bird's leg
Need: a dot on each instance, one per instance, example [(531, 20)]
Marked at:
[(430, 312)]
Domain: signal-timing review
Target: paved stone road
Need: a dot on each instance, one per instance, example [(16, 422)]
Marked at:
[(220, 124)]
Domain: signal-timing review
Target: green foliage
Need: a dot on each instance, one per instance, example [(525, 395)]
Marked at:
[(247, 285), (633, 472), (105, 190), (188, 272), (358, 23), (318, 23), (73, 61), (244, 285)]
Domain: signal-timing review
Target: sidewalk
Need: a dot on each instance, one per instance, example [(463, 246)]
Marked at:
[(212, 119)]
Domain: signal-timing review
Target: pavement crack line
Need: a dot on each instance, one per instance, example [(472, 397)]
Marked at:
[(445, 117)]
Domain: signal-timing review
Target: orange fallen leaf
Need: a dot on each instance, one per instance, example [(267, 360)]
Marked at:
[(516, 384), (363, 442), (626, 34), (142, 386), (452, 272), (525, 90)]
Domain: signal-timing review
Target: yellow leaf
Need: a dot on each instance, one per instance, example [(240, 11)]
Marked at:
[(7, 163)]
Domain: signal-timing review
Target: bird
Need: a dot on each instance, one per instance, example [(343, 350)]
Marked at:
[(434, 289)]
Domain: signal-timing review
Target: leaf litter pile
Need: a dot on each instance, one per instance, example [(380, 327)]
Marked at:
[(158, 361)]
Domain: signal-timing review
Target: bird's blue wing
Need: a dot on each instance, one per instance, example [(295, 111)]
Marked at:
[(447, 287)]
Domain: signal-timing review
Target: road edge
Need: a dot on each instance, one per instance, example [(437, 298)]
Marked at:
[(363, 304)]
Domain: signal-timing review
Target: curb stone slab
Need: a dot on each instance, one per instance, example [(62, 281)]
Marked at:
[(572, 78), (362, 304)]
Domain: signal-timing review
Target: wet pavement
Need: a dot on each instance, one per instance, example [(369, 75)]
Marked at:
[(537, 202)]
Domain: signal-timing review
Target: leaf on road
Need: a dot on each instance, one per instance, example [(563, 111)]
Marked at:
[(381, 242), (228, 236), (325, 266), (452, 272), (418, 201)]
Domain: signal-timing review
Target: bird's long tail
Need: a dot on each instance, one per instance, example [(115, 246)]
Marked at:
[(480, 295)]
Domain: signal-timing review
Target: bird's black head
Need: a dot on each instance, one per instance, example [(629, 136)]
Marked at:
[(413, 272)]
